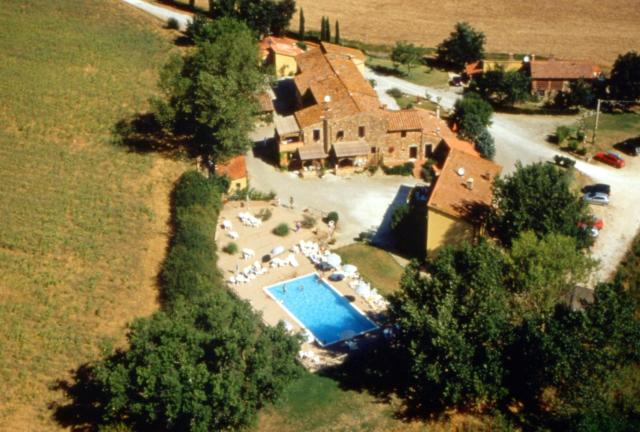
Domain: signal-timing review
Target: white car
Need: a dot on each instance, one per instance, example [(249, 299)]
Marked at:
[(598, 198)]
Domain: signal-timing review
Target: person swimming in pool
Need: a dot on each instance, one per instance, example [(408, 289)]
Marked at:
[(284, 289), (300, 287)]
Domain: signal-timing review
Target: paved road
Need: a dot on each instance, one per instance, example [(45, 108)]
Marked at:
[(523, 138), (161, 13)]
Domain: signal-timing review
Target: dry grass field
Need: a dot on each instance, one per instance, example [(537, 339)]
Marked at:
[(576, 29), (82, 222)]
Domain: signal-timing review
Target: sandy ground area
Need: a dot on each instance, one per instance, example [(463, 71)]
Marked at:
[(261, 240), (363, 202)]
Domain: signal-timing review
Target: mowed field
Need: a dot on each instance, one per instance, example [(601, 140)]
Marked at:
[(577, 29), (82, 222)]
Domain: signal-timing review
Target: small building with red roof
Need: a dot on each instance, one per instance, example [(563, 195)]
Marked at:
[(236, 170)]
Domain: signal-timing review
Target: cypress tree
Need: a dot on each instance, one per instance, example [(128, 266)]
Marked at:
[(337, 36), (328, 26), (301, 29), (323, 29)]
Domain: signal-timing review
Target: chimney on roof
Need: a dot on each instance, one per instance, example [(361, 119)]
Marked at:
[(470, 183)]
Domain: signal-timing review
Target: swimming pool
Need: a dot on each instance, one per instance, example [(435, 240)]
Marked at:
[(317, 306)]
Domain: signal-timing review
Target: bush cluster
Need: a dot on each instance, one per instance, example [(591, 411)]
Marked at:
[(406, 169), (332, 217), (281, 230), (230, 248)]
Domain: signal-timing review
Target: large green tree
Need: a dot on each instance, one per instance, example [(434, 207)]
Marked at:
[(574, 355), (543, 271), (501, 87), (472, 114), (407, 54), (625, 77), (538, 198), (453, 326), (263, 16), (210, 94), (207, 365), (464, 45)]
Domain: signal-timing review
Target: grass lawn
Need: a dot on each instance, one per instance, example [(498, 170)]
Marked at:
[(420, 74), (375, 265), (613, 128), (78, 214)]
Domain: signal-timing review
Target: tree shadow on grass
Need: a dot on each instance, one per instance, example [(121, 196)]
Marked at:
[(82, 411), (141, 133), (380, 369)]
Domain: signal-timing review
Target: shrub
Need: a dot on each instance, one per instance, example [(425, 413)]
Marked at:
[(562, 132), (582, 151), (572, 145), (564, 161), (231, 248), (373, 169), (406, 169), (308, 222), (332, 217), (264, 214), (394, 93), (173, 24), (252, 194), (281, 230), (580, 135)]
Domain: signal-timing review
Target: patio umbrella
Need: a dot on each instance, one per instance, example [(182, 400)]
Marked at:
[(277, 250), (333, 260), (363, 289), (349, 269), (288, 326), (337, 276)]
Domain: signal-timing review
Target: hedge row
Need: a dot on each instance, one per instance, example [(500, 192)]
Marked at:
[(190, 270)]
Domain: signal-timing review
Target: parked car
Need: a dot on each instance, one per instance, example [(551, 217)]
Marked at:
[(598, 187), (598, 198), (610, 158), (563, 161), (593, 222), (630, 146)]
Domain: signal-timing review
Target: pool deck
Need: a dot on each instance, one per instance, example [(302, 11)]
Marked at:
[(262, 241)]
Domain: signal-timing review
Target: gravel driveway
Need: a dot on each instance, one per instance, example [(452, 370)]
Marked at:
[(363, 202), (523, 138)]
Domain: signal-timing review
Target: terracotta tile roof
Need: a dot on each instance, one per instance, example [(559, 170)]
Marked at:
[(455, 143), (563, 69), (342, 50), (473, 68), (403, 120), (311, 152), (329, 75), (285, 125), (350, 148), (235, 168), (280, 45), (452, 196), (265, 102)]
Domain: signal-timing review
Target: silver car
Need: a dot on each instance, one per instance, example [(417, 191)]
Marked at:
[(598, 198)]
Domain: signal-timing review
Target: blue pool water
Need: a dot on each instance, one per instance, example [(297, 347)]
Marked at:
[(320, 308)]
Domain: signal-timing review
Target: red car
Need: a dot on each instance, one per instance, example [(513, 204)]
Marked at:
[(610, 158), (594, 222)]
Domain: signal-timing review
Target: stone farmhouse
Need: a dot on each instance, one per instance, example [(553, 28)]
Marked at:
[(338, 122), (548, 77), (460, 198)]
